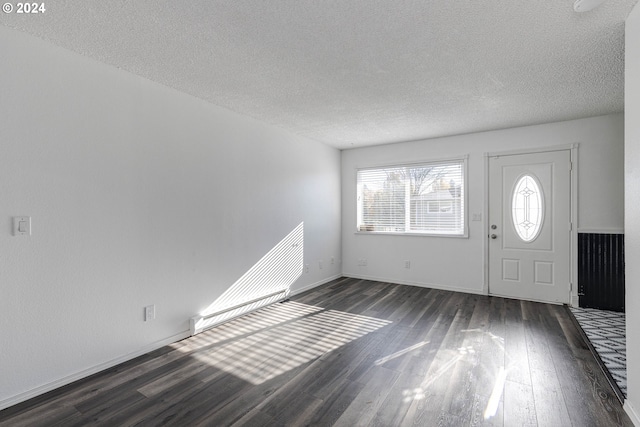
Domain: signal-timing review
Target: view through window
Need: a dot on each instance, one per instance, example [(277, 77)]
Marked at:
[(426, 198)]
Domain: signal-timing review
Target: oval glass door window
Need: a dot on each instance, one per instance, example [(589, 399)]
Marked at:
[(527, 210)]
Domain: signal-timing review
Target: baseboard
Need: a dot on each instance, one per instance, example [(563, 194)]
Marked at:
[(575, 301), (14, 400), (420, 284), (315, 285), (633, 414)]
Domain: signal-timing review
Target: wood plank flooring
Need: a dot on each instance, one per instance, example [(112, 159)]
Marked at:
[(354, 353)]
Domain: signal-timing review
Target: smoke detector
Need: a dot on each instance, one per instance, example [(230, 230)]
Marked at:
[(586, 5)]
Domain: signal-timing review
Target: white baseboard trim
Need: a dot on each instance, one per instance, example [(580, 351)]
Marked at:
[(633, 414), (420, 284), (575, 301), (315, 285), (14, 400)]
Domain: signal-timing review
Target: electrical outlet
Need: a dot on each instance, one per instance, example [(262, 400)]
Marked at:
[(320, 264), (306, 268), (333, 261), (149, 312), (407, 264)]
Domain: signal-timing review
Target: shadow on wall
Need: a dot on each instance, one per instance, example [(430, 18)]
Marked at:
[(268, 281)]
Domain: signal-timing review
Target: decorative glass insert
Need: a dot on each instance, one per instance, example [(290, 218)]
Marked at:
[(526, 208)]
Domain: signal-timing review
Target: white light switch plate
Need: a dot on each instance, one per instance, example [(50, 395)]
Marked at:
[(21, 225)]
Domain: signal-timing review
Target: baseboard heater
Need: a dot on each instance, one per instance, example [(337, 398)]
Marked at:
[(201, 323)]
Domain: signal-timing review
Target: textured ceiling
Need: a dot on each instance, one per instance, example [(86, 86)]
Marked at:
[(361, 72)]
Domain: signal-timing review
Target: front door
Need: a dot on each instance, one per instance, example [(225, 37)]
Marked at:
[(530, 226)]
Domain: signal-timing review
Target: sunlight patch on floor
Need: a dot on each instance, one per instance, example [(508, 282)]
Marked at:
[(496, 395), (402, 352), (267, 343)]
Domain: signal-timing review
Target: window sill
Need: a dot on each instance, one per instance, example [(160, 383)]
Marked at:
[(396, 233)]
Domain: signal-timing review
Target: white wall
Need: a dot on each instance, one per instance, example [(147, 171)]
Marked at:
[(138, 195), (458, 264), (632, 210)]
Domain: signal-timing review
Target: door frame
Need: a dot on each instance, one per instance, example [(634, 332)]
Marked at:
[(573, 207)]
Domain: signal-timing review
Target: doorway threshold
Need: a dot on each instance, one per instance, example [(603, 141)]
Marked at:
[(605, 333)]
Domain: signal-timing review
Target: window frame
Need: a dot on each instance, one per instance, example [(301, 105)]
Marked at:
[(465, 197)]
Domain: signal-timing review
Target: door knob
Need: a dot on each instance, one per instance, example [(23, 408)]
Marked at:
[(493, 236), (493, 227)]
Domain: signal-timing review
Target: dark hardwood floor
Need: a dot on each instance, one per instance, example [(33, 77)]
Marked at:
[(354, 353)]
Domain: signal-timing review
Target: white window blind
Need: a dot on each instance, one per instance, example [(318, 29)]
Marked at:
[(418, 198)]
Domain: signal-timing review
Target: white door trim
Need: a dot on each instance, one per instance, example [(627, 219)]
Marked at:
[(573, 176)]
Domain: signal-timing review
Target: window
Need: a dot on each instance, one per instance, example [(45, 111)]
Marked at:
[(427, 198), (526, 208)]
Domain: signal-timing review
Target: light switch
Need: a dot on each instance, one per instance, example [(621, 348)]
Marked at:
[(21, 226)]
